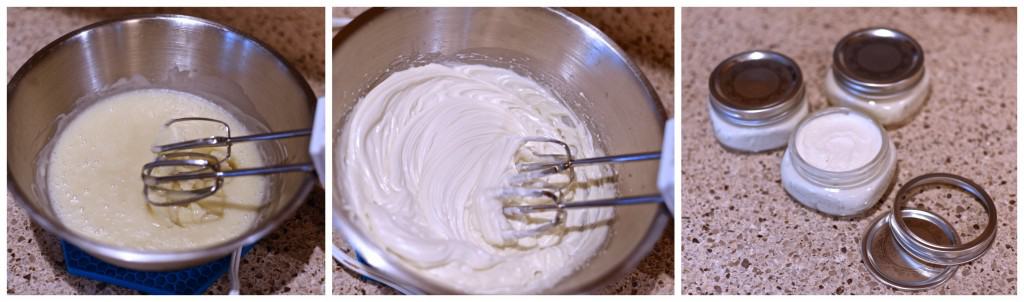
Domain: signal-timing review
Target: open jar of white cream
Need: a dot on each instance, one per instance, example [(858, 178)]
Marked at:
[(880, 71), (756, 100), (839, 161)]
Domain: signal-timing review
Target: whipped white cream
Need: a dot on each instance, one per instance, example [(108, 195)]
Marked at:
[(839, 162), (839, 142), (422, 155)]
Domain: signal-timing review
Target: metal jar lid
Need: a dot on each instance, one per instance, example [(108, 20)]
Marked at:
[(914, 249), (937, 253), (890, 264), (878, 61), (756, 87)]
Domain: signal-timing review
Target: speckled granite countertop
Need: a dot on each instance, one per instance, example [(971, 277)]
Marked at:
[(646, 35), (288, 261), (742, 234)]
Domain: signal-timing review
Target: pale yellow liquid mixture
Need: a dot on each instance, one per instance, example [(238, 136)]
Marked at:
[(94, 183)]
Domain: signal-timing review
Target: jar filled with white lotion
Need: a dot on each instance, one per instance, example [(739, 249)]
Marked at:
[(756, 100), (879, 71), (839, 161)]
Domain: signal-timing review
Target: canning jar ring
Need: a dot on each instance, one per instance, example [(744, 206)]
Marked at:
[(935, 253), (874, 253)]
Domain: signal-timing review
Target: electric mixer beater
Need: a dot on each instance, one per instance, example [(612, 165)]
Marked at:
[(191, 170), (530, 191)]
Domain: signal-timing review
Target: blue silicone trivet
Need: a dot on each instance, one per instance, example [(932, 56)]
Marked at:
[(190, 281)]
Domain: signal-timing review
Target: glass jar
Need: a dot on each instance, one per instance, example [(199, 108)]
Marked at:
[(756, 100), (839, 161), (879, 71)]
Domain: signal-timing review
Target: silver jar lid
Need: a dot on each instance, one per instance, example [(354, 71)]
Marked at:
[(892, 265), (914, 249), (937, 253), (878, 61), (756, 87)]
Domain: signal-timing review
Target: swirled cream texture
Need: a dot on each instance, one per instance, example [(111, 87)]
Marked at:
[(839, 142), (95, 187), (422, 155)]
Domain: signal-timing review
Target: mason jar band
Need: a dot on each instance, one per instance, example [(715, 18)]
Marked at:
[(930, 252)]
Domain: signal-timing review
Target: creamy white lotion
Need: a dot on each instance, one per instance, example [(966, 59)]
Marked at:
[(756, 138), (422, 155), (94, 184), (839, 161), (839, 142), (890, 110)]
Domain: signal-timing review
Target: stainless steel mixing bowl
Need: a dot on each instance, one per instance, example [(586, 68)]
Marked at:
[(156, 51), (554, 47)]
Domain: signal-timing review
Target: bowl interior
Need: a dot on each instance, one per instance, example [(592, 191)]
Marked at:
[(156, 51), (574, 60)]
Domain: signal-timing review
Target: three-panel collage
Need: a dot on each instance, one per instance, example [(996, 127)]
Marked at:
[(333, 150)]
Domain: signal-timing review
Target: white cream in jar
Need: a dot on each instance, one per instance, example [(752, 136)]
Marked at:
[(94, 184), (879, 71), (422, 155), (839, 161), (756, 100)]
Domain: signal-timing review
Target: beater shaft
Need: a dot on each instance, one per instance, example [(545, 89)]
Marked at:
[(153, 180), (220, 141), (620, 201), (624, 158)]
